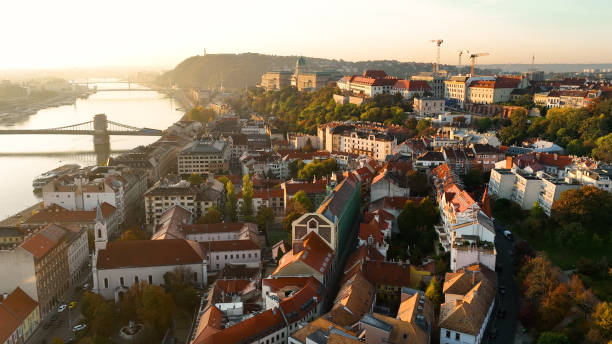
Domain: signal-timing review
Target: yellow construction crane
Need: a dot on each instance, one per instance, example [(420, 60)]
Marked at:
[(473, 58), (438, 44)]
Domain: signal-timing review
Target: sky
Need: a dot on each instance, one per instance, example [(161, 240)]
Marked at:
[(156, 33)]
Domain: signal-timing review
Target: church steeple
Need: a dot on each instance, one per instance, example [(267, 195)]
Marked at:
[(100, 230)]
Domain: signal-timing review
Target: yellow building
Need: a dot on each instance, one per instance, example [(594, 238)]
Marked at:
[(19, 316)]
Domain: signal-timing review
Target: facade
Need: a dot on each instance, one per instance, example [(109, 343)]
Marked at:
[(10, 237), (551, 189), (428, 105), (204, 157), (271, 198), (369, 84), (39, 266), (411, 88), (305, 80), (387, 184), (487, 155), (435, 81), (501, 183), (80, 193), (492, 91), (118, 265), (429, 160), (377, 146), (599, 176), (455, 90), (220, 253), (469, 297), (274, 81), (19, 316), (526, 190), (197, 200)]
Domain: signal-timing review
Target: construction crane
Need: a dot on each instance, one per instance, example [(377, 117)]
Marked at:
[(473, 58), (438, 44)]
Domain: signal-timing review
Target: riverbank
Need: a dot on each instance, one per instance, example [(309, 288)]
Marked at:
[(15, 111)]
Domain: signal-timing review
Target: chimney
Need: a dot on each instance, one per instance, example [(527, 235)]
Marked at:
[(555, 156), (4, 296), (508, 162)]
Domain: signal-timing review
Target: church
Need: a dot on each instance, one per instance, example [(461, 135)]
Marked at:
[(117, 265)]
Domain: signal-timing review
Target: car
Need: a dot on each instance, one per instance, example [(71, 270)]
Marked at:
[(508, 234), (79, 327), (61, 308), (72, 304), (86, 286)]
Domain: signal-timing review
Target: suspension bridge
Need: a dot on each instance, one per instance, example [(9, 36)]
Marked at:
[(100, 126)]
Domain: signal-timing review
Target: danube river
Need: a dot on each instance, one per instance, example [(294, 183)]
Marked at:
[(136, 108)]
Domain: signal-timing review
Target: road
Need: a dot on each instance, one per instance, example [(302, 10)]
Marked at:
[(506, 325), (67, 318)]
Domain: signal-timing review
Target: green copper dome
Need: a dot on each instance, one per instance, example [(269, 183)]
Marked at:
[(301, 62)]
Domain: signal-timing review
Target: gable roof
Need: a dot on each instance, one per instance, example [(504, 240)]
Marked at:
[(58, 214), (13, 310), (143, 253), (316, 254)]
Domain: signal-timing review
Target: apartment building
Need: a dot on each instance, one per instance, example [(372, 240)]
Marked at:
[(428, 106), (411, 88), (275, 80), (492, 91), (435, 81), (19, 316), (599, 176), (369, 84), (526, 190), (455, 90), (551, 189), (203, 157)]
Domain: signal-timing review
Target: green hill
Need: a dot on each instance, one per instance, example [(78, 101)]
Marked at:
[(235, 71)]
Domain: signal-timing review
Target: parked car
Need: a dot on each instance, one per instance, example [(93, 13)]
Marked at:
[(79, 327), (62, 308), (85, 286), (72, 304)]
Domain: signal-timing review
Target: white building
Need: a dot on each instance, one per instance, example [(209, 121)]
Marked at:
[(370, 84), (387, 184), (551, 190), (79, 193), (599, 177), (501, 183), (428, 105), (375, 145), (117, 265), (203, 157), (411, 88), (469, 299), (223, 252), (473, 243)]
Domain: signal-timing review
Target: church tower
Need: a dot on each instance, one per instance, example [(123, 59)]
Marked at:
[(300, 63), (100, 231)]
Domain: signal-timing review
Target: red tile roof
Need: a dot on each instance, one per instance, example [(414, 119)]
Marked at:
[(412, 85), (13, 311), (38, 245), (387, 273), (143, 253), (315, 253), (232, 286), (460, 199), (371, 229), (230, 245), (276, 283), (246, 331), (400, 202), (57, 214), (548, 159), (375, 73), (213, 227), (318, 187), (265, 193)]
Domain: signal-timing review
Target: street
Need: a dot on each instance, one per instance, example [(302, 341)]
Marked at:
[(506, 302), (64, 321)]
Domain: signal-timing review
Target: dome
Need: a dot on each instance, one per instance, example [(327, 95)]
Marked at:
[(301, 62)]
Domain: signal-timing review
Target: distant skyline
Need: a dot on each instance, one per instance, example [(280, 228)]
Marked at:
[(71, 33)]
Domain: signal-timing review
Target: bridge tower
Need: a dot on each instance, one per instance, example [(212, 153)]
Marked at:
[(101, 139)]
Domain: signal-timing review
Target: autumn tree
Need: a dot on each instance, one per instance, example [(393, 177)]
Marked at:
[(418, 183), (589, 206), (231, 202), (99, 314), (265, 216), (602, 320), (195, 179), (134, 233), (179, 284), (212, 216), (148, 304), (603, 148), (303, 200), (434, 292), (246, 208)]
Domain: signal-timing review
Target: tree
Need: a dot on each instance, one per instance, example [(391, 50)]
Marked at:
[(134, 233), (223, 180), (265, 215), (539, 278), (555, 305), (553, 338), (433, 292), (602, 319), (57, 340), (90, 304), (246, 209), (301, 198), (603, 148), (99, 313), (230, 202), (473, 179), (318, 169), (195, 179), (589, 206), (289, 218), (308, 146), (148, 304), (418, 183), (178, 283), (212, 216), (423, 127)]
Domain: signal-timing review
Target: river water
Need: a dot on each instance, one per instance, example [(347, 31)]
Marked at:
[(136, 108)]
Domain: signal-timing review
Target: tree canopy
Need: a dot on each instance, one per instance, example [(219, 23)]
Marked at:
[(213, 215), (318, 169)]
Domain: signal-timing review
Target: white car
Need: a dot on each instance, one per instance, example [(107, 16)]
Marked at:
[(78, 328), (61, 308)]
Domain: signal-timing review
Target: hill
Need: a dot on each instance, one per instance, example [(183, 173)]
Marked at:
[(237, 71)]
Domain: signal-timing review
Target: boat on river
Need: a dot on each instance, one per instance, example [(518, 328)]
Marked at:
[(48, 176)]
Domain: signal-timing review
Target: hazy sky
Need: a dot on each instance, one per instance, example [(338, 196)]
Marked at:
[(81, 33)]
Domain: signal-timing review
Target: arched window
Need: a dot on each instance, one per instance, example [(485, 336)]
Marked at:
[(99, 233)]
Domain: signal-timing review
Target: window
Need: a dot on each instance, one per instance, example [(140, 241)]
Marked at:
[(135, 279), (99, 233), (121, 281), (447, 334), (226, 256), (457, 336), (195, 276), (150, 279), (106, 283)]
